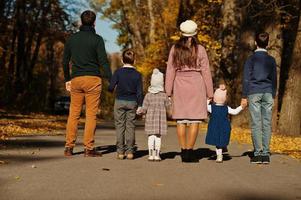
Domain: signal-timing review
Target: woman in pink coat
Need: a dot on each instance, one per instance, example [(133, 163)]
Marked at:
[(189, 83)]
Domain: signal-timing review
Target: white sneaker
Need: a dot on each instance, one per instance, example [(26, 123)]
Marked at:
[(157, 155), (151, 156), (219, 158)]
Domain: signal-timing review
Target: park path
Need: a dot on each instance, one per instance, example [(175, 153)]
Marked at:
[(36, 170)]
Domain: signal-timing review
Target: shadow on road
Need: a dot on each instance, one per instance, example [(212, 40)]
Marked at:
[(169, 155), (250, 154), (200, 154), (103, 149), (31, 143), (141, 153), (112, 149)]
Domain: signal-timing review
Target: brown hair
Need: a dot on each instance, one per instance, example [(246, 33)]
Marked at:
[(185, 52), (88, 18), (128, 56), (262, 40)]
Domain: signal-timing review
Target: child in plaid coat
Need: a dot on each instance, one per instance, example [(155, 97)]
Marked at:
[(155, 105)]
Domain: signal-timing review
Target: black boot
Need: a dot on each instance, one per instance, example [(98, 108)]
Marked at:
[(184, 155), (191, 156)]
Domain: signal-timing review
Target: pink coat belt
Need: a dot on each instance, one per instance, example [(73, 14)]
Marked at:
[(188, 73)]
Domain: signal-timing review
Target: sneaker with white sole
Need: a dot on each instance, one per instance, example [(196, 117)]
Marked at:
[(265, 159), (256, 160)]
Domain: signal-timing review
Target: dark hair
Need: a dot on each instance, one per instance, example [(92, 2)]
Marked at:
[(88, 18), (128, 56), (185, 52), (262, 40)]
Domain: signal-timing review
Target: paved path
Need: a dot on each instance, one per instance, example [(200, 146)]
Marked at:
[(37, 170)]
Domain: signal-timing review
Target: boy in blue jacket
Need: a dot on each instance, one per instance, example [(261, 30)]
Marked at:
[(127, 82), (259, 91)]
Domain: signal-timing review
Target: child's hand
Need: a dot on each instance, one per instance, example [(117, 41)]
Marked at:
[(244, 103), (139, 111), (222, 86), (209, 100)]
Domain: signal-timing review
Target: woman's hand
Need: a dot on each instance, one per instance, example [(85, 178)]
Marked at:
[(222, 86)]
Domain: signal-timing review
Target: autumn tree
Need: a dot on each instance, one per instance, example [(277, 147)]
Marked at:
[(30, 31), (290, 115)]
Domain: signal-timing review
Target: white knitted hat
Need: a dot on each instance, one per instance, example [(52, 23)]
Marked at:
[(157, 82), (188, 28)]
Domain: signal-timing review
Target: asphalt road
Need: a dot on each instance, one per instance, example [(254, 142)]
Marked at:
[(36, 169)]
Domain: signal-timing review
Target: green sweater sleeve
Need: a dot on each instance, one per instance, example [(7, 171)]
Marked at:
[(103, 59), (66, 61)]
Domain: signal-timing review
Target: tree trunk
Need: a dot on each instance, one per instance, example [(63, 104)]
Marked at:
[(34, 59), (186, 11), (41, 30), (34, 25), (275, 50), (131, 18), (152, 21), (246, 46), (230, 69), (21, 26), (6, 11), (290, 114), (52, 73)]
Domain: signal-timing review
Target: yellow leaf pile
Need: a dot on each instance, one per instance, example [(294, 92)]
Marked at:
[(290, 145), (16, 125), (283, 144)]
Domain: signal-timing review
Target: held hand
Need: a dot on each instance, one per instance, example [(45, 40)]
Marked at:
[(244, 103), (139, 111), (169, 101), (222, 86), (68, 86)]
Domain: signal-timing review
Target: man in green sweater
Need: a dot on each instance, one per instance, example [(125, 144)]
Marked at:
[(86, 51)]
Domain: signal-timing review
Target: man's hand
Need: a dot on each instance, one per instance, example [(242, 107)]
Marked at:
[(244, 103), (68, 86)]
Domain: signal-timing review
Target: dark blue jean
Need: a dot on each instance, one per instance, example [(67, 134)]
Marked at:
[(260, 107)]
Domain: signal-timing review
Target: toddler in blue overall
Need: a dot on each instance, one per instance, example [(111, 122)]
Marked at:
[(219, 128)]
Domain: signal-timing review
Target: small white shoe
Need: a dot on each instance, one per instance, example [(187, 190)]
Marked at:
[(157, 155), (151, 156), (219, 158)]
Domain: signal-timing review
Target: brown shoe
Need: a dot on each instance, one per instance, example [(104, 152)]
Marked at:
[(68, 151), (120, 156), (92, 153), (130, 156)]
